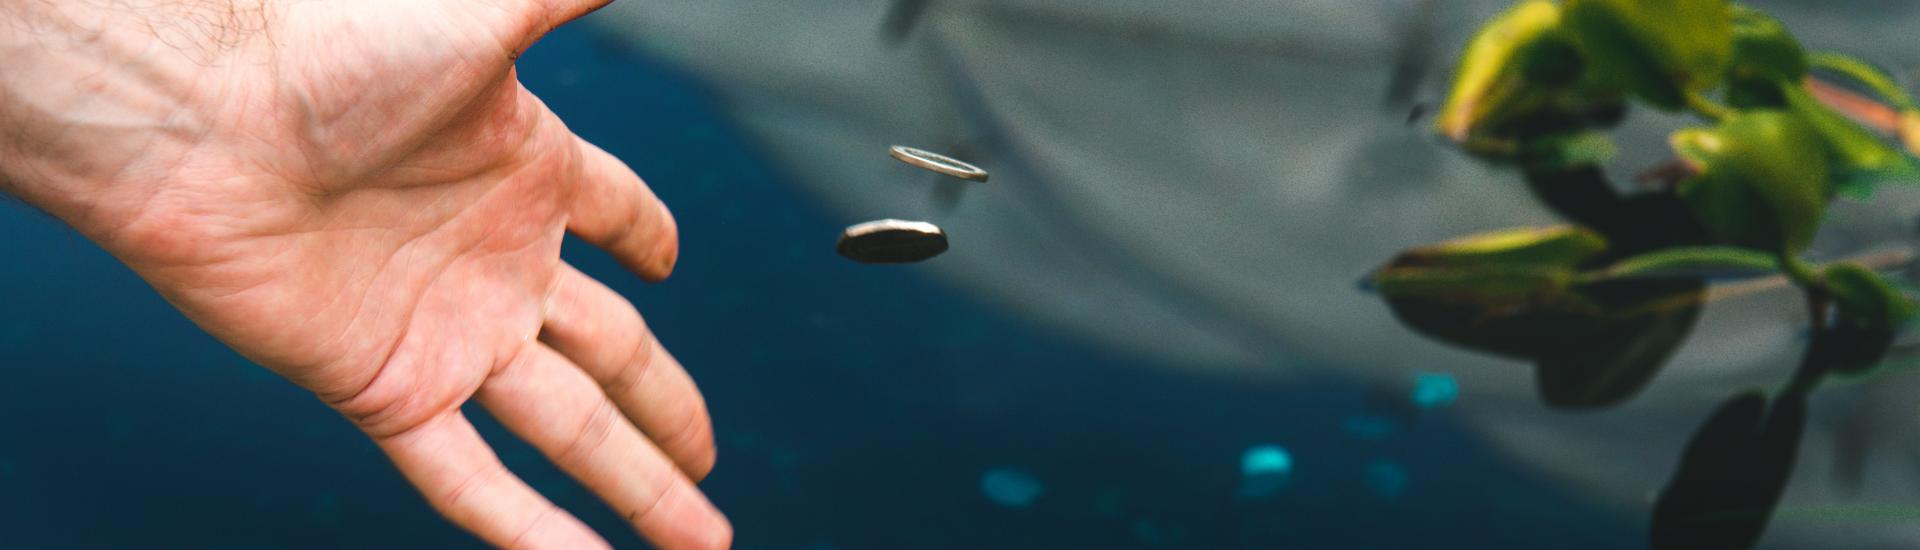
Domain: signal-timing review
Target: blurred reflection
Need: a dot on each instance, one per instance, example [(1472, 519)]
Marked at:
[(1201, 182)]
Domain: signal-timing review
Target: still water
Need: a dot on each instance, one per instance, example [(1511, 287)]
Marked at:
[(1031, 389)]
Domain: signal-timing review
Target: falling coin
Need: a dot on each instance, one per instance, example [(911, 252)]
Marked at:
[(936, 162), (892, 242)]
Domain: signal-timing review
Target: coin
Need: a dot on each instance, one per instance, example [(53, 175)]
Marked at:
[(936, 162), (892, 242)]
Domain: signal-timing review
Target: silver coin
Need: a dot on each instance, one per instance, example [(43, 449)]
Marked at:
[(927, 160), (892, 242)]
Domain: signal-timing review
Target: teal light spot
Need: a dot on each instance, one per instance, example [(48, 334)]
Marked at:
[(1262, 460), (1434, 390), (1011, 488), (1264, 469)]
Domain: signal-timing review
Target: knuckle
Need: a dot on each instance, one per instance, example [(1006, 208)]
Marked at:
[(548, 514), (456, 499), (691, 443), (704, 457), (661, 491), (590, 436), (632, 374)]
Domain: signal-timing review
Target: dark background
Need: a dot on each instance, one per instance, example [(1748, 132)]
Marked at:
[(857, 407)]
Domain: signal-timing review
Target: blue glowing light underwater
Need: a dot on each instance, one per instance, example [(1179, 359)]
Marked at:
[(1263, 460), (1434, 390), (1011, 488), (1264, 469)]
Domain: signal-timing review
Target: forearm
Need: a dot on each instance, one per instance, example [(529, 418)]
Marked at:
[(95, 95)]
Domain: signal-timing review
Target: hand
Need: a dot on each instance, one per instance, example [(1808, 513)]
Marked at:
[(359, 195)]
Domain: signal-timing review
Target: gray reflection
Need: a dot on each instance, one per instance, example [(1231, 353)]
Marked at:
[(1200, 182)]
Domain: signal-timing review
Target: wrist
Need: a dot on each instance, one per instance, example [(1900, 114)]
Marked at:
[(98, 97)]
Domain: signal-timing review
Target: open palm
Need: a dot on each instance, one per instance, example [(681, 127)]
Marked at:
[(360, 196)]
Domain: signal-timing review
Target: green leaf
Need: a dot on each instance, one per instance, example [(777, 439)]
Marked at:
[(1514, 293), (1763, 180), (1861, 158), (1509, 270), (1852, 349), (1763, 46), (1659, 50), (1562, 151), (1632, 224), (1601, 358), (1867, 76), (1489, 81), (1682, 258), (1870, 310), (1865, 299), (1765, 55), (1499, 267), (1489, 310), (1731, 476), (1593, 345), (1508, 73), (1560, 246)]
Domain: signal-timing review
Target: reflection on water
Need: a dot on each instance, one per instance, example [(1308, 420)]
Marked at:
[(1199, 184)]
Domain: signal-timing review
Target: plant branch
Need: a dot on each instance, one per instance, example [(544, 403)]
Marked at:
[(1800, 272), (1708, 108), (1727, 257)]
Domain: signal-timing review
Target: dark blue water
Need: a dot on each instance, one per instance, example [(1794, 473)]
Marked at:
[(857, 407)]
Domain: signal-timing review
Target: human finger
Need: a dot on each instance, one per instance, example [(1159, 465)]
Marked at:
[(601, 332), (616, 211), (450, 464), (553, 405)]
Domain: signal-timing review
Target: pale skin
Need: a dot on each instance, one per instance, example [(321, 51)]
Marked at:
[(360, 196)]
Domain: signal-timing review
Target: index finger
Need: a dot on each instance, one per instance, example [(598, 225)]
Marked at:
[(616, 211)]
